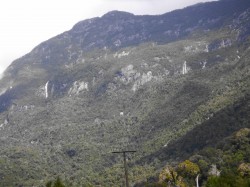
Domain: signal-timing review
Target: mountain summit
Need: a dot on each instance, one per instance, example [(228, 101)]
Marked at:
[(166, 85)]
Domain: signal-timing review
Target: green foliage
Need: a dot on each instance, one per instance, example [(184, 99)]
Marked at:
[(49, 184), (168, 117), (244, 170), (203, 165), (228, 181), (224, 165), (168, 174), (188, 169), (56, 183)]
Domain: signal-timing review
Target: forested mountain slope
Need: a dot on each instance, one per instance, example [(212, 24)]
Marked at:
[(166, 86)]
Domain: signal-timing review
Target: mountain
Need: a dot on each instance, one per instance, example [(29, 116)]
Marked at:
[(166, 86)]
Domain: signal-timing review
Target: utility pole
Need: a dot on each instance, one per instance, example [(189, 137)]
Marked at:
[(125, 164)]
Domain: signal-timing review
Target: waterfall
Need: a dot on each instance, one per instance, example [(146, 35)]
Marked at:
[(184, 68), (207, 50), (197, 181), (46, 89)]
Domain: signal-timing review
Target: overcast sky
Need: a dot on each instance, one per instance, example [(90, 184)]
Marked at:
[(26, 23)]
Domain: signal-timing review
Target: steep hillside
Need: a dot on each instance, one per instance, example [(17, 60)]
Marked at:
[(166, 86), (226, 163)]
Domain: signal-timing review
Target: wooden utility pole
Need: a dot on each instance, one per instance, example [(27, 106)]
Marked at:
[(125, 164)]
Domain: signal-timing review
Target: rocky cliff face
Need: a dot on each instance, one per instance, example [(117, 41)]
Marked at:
[(121, 82)]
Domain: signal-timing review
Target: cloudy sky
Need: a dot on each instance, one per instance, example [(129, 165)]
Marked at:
[(26, 23)]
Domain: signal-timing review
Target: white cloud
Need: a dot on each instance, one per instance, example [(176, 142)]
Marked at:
[(24, 24)]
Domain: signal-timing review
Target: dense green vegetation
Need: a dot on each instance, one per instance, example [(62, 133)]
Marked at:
[(65, 109), (226, 164)]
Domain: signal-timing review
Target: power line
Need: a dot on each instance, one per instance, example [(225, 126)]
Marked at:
[(125, 164)]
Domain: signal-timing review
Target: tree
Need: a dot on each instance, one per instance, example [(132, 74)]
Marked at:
[(168, 174), (170, 177), (244, 169), (188, 169), (57, 183)]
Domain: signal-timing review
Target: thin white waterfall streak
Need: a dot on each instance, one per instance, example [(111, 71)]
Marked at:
[(184, 68), (46, 90), (197, 181)]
